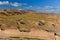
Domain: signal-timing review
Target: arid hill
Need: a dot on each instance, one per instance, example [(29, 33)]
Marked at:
[(12, 12), (29, 24)]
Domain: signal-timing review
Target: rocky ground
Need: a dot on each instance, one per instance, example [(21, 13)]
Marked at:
[(20, 23)]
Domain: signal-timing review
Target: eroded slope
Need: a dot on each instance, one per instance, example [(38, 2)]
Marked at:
[(20, 22)]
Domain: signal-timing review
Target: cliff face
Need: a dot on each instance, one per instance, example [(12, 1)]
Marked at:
[(29, 24)]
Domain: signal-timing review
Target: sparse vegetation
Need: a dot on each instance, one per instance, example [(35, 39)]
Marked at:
[(20, 38), (23, 38), (31, 20)]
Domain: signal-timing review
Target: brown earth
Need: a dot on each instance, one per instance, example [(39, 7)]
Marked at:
[(29, 24)]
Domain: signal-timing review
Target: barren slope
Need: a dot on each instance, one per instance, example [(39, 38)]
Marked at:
[(29, 24)]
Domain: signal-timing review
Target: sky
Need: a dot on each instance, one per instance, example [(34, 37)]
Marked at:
[(48, 6)]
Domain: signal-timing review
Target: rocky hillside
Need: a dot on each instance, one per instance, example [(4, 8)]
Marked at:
[(29, 24)]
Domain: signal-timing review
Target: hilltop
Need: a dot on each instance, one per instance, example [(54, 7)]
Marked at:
[(30, 24)]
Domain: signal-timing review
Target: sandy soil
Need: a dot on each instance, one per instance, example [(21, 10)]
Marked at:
[(34, 34)]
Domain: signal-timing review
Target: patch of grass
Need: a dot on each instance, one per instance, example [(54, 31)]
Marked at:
[(23, 38), (26, 16)]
